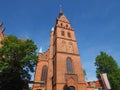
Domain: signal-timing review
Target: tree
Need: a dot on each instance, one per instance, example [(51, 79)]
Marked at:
[(17, 58), (30, 88), (84, 72), (106, 64)]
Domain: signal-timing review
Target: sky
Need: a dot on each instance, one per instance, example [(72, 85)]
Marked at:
[(96, 24)]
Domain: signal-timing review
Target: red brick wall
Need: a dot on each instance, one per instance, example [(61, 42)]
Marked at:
[(58, 76)]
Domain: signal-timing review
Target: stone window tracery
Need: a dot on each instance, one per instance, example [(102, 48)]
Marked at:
[(62, 33), (69, 35), (44, 74), (69, 65), (70, 47), (63, 46)]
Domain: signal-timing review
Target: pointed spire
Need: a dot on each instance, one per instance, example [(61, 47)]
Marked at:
[(60, 8), (52, 29), (61, 13), (40, 51)]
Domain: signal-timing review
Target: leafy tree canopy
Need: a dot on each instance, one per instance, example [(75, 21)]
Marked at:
[(106, 64), (17, 59)]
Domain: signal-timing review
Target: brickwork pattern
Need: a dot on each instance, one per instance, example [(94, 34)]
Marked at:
[(57, 55)]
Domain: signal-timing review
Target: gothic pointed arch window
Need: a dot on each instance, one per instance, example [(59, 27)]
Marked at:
[(44, 73), (69, 35), (69, 65), (62, 33), (61, 24), (63, 46), (70, 47)]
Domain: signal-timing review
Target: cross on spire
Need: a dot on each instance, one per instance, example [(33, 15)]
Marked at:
[(61, 13), (61, 9)]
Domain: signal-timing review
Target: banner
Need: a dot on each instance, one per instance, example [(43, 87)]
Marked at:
[(105, 81)]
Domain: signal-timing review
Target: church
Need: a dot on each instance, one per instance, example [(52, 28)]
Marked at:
[(60, 68)]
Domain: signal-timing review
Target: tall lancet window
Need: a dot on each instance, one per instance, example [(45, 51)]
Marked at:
[(69, 65), (63, 46), (44, 74), (70, 47)]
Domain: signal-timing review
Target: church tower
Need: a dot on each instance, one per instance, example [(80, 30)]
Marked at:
[(67, 68), (60, 67)]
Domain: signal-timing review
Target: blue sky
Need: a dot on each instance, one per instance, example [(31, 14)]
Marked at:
[(96, 24)]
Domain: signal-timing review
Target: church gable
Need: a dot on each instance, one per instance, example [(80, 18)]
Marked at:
[(44, 56), (63, 18)]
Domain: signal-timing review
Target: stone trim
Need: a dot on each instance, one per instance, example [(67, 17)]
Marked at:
[(68, 53), (67, 39)]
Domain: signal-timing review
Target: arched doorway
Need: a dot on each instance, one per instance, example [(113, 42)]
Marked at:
[(71, 88)]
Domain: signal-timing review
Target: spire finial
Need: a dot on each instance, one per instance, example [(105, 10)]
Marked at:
[(61, 9)]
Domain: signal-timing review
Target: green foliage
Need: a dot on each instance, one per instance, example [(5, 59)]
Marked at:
[(106, 64), (84, 72), (17, 59), (30, 88)]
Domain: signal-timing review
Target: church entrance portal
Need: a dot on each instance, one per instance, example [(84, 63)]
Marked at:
[(69, 88)]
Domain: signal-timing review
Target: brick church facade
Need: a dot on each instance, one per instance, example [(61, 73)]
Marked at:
[(60, 68)]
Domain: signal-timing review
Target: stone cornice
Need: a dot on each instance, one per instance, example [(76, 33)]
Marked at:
[(66, 39), (67, 53)]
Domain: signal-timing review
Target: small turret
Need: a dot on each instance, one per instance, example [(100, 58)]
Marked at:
[(40, 51), (52, 29)]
